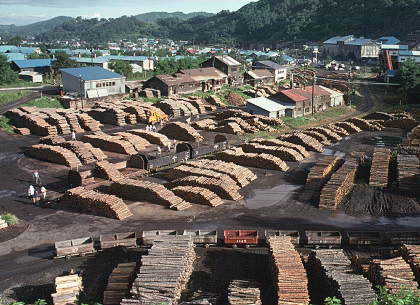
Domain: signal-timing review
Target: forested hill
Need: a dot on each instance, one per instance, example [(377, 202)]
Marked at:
[(155, 16), (35, 28), (265, 20)]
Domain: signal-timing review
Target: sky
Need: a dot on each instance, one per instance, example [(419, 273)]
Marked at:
[(22, 12)]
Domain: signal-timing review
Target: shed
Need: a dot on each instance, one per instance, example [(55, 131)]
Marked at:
[(33, 65), (259, 77), (33, 77), (265, 106)]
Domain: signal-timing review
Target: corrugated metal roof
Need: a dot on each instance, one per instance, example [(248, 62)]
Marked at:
[(228, 60), (260, 74), (334, 40), (126, 58), (95, 60), (333, 93), (393, 47), (269, 63), (33, 63), (409, 53), (14, 56), (8, 48), (267, 104), (293, 95), (91, 73), (389, 40)]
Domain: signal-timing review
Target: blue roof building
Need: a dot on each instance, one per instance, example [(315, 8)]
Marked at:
[(8, 48), (35, 65), (389, 40), (14, 56)]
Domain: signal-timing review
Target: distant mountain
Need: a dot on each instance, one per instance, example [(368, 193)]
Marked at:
[(155, 16), (35, 28)]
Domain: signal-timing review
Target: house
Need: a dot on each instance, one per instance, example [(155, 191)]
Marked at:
[(209, 78), (146, 63), (279, 71), (388, 55), (259, 77), (228, 65), (267, 107), (351, 48), (42, 66), (94, 61), (92, 82), (336, 97), (404, 55)]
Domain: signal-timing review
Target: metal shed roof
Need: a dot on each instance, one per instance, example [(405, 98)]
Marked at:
[(91, 73), (33, 63), (267, 104)]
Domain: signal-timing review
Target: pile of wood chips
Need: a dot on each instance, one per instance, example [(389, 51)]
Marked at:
[(67, 290), (380, 167), (408, 167), (181, 132), (152, 137), (53, 154), (119, 281), (284, 153), (290, 276), (243, 293)]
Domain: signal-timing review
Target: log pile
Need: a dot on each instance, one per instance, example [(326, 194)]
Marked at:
[(275, 122), (33, 122), (337, 278), (197, 195), (165, 271), (110, 143), (284, 153), (184, 170), (22, 131), (88, 123), (198, 103), (243, 293), (54, 154), (276, 142), (181, 132), (108, 171), (177, 108), (242, 175), (84, 151), (139, 143), (318, 136), (229, 128), (349, 127), (408, 167), (223, 190), (290, 277), (328, 133), (109, 115), (52, 140), (244, 125), (206, 124), (264, 161), (414, 136), (119, 281), (67, 290), (411, 254), (143, 111), (100, 204), (379, 116), (73, 122), (339, 185), (338, 130), (152, 137), (57, 120), (148, 191), (363, 124), (380, 167), (392, 273), (303, 140), (403, 123), (216, 101)]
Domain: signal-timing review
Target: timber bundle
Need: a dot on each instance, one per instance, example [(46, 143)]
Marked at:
[(54, 154), (337, 277), (393, 274), (290, 276), (380, 167), (138, 142), (408, 167), (276, 142), (198, 195), (364, 124), (284, 153), (84, 151), (338, 130), (108, 171), (349, 127), (243, 293), (88, 123), (148, 191), (181, 132), (112, 115), (264, 161), (110, 143), (185, 171), (178, 107), (143, 111), (414, 136), (100, 204), (331, 135), (318, 136), (339, 185), (164, 272), (67, 289), (55, 119), (304, 140), (152, 137), (33, 122), (119, 281), (411, 255)]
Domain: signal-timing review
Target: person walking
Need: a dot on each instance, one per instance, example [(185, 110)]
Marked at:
[(36, 198), (31, 191), (73, 136), (159, 150), (43, 193), (36, 177)]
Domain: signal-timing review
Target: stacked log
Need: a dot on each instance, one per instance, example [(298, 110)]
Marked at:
[(337, 278), (269, 121), (99, 204), (349, 127), (276, 142), (284, 153), (403, 123), (73, 122), (223, 115), (54, 154), (328, 133), (264, 161), (242, 175), (110, 143), (216, 101), (33, 122), (181, 132), (338, 130), (139, 143), (111, 115), (379, 116), (183, 171), (411, 254), (290, 277), (230, 128), (130, 119), (304, 140), (206, 124), (22, 131), (198, 103), (408, 167), (363, 124), (393, 274), (223, 190), (152, 137), (119, 281), (380, 167), (82, 150), (148, 191), (165, 271), (318, 136), (257, 123), (88, 123), (243, 293), (52, 140), (108, 171), (142, 110), (58, 121), (244, 125), (414, 136), (177, 108), (339, 186), (67, 290), (197, 195)]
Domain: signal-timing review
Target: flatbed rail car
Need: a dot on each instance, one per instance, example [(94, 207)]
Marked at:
[(400, 238), (295, 235), (364, 238), (201, 237), (148, 237), (74, 247), (330, 239), (240, 237), (128, 240)]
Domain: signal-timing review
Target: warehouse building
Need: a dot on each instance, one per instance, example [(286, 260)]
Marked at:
[(92, 82), (265, 106), (42, 66), (259, 78), (279, 71)]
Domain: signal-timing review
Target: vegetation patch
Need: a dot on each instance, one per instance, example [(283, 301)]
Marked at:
[(319, 116), (10, 219), (5, 124), (45, 102), (8, 97)]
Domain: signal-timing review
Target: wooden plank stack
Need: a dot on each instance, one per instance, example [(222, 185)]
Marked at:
[(110, 143), (119, 282), (183, 171), (198, 195), (408, 167), (332, 136), (165, 271), (32, 121), (108, 171), (88, 123), (139, 143), (181, 132), (243, 293), (411, 254), (339, 185), (276, 142), (349, 127), (392, 273), (306, 141), (337, 277), (152, 137), (290, 276), (380, 167), (265, 161), (142, 190), (54, 154), (284, 153), (67, 290), (318, 136), (100, 204)]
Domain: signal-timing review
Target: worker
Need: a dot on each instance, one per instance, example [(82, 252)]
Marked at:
[(198, 117), (169, 146), (159, 150), (161, 124), (73, 136), (43, 193), (154, 128), (36, 197), (31, 191), (36, 177), (188, 120)]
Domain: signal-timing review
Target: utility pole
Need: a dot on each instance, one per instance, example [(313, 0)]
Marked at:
[(313, 93)]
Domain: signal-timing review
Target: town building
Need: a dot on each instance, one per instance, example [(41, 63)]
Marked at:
[(351, 48), (92, 62), (42, 66), (92, 82), (259, 78), (228, 65), (267, 107), (146, 63), (33, 77), (279, 71)]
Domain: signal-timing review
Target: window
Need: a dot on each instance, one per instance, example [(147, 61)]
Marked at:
[(113, 83), (307, 109), (98, 85)]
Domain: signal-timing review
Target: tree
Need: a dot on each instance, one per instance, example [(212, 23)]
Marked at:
[(38, 56), (408, 76), (63, 60), (7, 75), (121, 67), (15, 41)]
